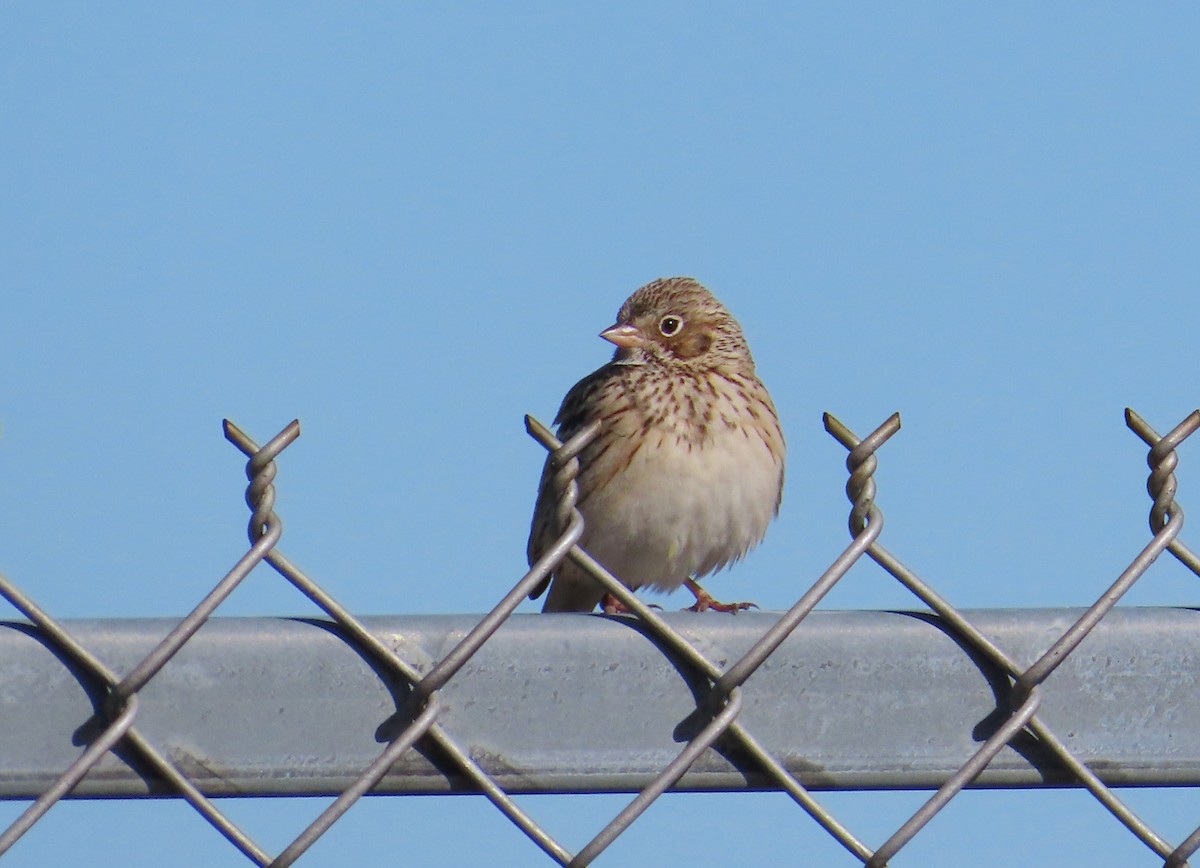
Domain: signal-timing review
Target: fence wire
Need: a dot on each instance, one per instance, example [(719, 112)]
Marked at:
[(719, 702)]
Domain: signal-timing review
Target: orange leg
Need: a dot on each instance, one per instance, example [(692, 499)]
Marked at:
[(705, 600), (610, 605)]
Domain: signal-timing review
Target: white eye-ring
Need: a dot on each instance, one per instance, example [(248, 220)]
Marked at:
[(670, 325)]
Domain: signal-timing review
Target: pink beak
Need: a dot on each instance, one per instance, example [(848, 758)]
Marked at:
[(624, 336)]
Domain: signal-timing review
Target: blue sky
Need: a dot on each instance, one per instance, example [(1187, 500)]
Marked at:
[(405, 226)]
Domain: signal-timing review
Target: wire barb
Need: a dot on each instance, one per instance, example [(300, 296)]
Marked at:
[(1162, 460), (261, 471), (564, 461), (861, 462)]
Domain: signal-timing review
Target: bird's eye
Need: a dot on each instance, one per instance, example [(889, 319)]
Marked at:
[(670, 325)]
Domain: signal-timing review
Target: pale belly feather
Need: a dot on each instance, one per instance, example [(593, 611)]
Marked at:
[(677, 512)]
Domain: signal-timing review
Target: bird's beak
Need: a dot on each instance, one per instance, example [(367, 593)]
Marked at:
[(624, 336)]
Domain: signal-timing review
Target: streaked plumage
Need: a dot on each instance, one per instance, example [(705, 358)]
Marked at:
[(687, 470)]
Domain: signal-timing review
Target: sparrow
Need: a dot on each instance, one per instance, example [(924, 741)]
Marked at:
[(686, 472)]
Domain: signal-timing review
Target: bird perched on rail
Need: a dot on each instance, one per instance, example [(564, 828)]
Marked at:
[(687, 469)]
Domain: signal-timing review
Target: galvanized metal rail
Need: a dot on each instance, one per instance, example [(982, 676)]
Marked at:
[(577, 703)]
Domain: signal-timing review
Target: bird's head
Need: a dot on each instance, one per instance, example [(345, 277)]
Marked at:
[(675, 321)]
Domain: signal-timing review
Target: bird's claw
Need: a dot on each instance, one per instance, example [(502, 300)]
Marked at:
[(612, 605), (706, 601)]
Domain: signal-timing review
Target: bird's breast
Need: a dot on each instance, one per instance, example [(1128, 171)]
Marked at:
[(683, 503)]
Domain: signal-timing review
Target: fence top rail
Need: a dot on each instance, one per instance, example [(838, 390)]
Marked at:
[(570, 703)]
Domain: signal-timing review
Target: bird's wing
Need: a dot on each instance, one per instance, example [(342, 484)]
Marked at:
[(571, 418)]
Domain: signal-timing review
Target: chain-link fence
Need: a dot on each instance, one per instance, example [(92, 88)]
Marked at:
[(728, 742)]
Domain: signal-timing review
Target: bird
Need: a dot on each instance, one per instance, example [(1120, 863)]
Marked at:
[(686, 472)]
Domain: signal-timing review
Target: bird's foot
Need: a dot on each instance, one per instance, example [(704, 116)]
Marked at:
[(706, 601), (611, 605)]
